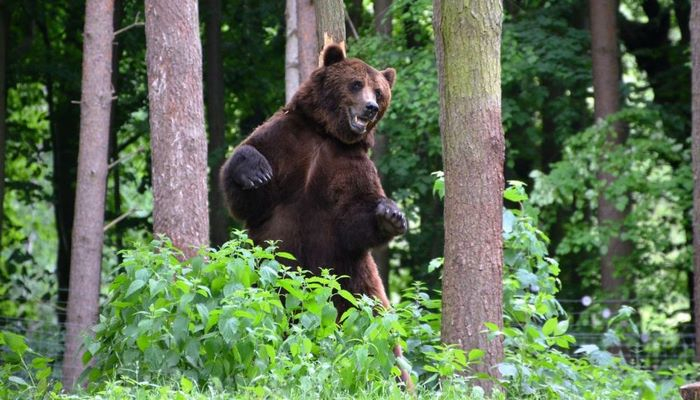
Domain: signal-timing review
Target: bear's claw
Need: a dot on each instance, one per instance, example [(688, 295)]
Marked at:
[(391, 220), (251, 169)]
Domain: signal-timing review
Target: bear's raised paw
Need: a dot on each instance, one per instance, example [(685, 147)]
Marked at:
[(250, 169), (390, 218)]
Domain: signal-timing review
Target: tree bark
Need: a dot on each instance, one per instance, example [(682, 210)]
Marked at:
[(382, 18), (381, 254), (330, 25), (84, 289), (468, 41), (113, 133), (216, 117), (178, 140), (4, 29), (306, 34), (606, 89), (695, 150), (291, 62)]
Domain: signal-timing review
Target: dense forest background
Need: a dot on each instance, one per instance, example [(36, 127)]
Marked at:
[(553, 146)]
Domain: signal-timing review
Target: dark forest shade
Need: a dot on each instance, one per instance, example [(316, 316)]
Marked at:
[(216, 119)]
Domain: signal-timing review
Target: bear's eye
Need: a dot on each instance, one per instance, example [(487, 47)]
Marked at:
[(378, 93), (355, 86)]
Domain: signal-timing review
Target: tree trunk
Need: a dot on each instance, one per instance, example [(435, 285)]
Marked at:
[(216, 116), (306, 35), (84, 289), (113, 133), (291, 63), (4, 29), (178, 140), (382, 18), (381, 254), (606, 89), (330, 25), (468, 41), (695, 62)]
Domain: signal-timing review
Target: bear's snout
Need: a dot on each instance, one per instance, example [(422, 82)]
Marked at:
[(371, 109)]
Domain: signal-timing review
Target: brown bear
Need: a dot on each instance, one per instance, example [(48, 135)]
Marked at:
[(304, 176)]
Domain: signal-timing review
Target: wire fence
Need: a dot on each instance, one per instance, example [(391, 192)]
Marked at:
[(648, 350)]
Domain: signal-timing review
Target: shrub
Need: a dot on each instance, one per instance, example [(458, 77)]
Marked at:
[(239, 318)]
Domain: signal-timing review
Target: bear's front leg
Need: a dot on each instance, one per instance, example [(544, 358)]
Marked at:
[(392, 222)]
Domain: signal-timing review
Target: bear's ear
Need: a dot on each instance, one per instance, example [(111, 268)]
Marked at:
[(332, 54), (390, 75)]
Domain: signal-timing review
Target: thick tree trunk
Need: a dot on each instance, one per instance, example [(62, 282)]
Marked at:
[(382, 18), (306, 35), (178, 140), (695, 62), (468, 42), (330, 25), (95, 106), (216, 117), (4, 29), (291, 55), (606, 89)]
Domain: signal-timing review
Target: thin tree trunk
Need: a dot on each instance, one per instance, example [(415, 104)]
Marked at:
[(178, 140), (606, 89), (695, 59), (306, 34), (113, 130), (4, 29), (382, 18), (330, 25), (216, 116), (291, 64), (84, 289), (381, 254), (468, 41)]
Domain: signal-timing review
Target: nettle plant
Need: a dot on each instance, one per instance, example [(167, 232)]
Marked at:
[(541, 359), (238, 317)]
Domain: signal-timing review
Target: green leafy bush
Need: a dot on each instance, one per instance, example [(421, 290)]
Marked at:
[(23, 373), (542, 359), (239, 317)]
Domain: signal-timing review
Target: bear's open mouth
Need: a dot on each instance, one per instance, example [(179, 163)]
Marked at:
[(358, 123)]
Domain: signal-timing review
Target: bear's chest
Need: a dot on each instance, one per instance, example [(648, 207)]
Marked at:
[(337, 175)]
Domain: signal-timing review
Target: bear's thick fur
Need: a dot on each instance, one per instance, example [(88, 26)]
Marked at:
[(304, 176)]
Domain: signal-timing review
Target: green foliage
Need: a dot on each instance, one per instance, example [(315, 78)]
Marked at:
[(652, 185), (239, 317), (538, 348), (23, 373)]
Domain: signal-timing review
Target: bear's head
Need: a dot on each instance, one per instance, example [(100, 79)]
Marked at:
[(345, 96)]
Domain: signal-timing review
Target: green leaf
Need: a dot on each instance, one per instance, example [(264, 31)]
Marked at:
[(475, 354), (285, 255), (15, 342), (186, 385), (134, 286), (18, 380), (550, 326)]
